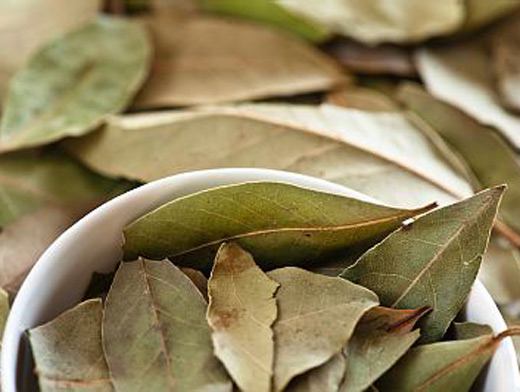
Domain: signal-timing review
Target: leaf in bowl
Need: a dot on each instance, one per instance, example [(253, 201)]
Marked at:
[(280, 224), (433, 262)]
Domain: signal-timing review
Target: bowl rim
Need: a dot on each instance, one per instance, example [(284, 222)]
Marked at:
[(212, 177)]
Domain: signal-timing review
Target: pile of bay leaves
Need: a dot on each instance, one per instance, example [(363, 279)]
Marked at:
[(409, 102)]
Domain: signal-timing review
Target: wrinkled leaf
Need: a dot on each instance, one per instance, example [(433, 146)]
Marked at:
[(155, 327), (382, 337), (325, 378), (268, 12), (26, 25), (280, 224), (308, 305), (31, 180), (241, 312), (70, 86), (441, 367), (198, 279), (379, 60), (432, 262), (374, 153), (362, 98), (461, 75), (191, 69), (489, 157), (375, 21), (68, 352)]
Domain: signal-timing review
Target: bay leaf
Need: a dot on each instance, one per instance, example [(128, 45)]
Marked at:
[(444, 366), (241, 311), (4, 312), (68, 352), (490, 158), (461, 75), (482, 12), (432, 262), (198, 279), (280, 224), (382, 336), (376, 21), (325, 378), (362, 98), (57, 93), (271, 13), (506, 63), (155, 333), (468, 330), (27, 25), (270, 62), (378, 60), (316, 317), (374, 153), (31, 180)]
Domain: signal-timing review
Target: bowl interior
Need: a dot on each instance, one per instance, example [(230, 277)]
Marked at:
[(61, 276)]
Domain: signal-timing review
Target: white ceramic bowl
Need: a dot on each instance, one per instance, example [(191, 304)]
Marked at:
[(60, 277)]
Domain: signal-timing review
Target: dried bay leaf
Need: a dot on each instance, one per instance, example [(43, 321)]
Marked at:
[(241, 312), (280, 224), (362, 98), (26, 25), (31, 180), (4, 312), (58, 92), (432, 262), (271, 63), (198, 279), (68, 351), (268, 12), (308, 306), (155, 334), (444, 366), (376, 21), (488, 156), (382, 336), (481, 12), (374, 153), (325, 378), (460, 74)]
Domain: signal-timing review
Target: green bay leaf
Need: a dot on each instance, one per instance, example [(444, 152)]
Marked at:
[(68, 352), (433, 262), (155, 326), (308, 305), (70, 86), (241, 311), (280, 224), (375, 153)]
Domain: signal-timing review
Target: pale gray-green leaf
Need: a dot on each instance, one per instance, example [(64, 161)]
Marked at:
[(364, 151), (68, 352), (155, 333), (70, 86), (280, 224), (432, 262), (325, 378), (309, 305), (241, 311)]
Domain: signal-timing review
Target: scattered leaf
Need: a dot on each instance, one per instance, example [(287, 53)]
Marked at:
[(280, 224), (155, 327), (382, 337), (68, 351), (440, 367), (4, 312), (364, 151), (268, 12), (481, 12), (433, 262), (325, 378), (58, 92), (460, 75), (376, 21), (198, 279), (271, 63), (308, 306), (241, 312), (489, 157), (362, 98), (379, 60), (27, 25)]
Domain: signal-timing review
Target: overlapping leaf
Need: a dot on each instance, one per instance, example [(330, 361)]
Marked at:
[(433, 262), (280, 224), (70, 86), (374, 153), (326, 378)]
